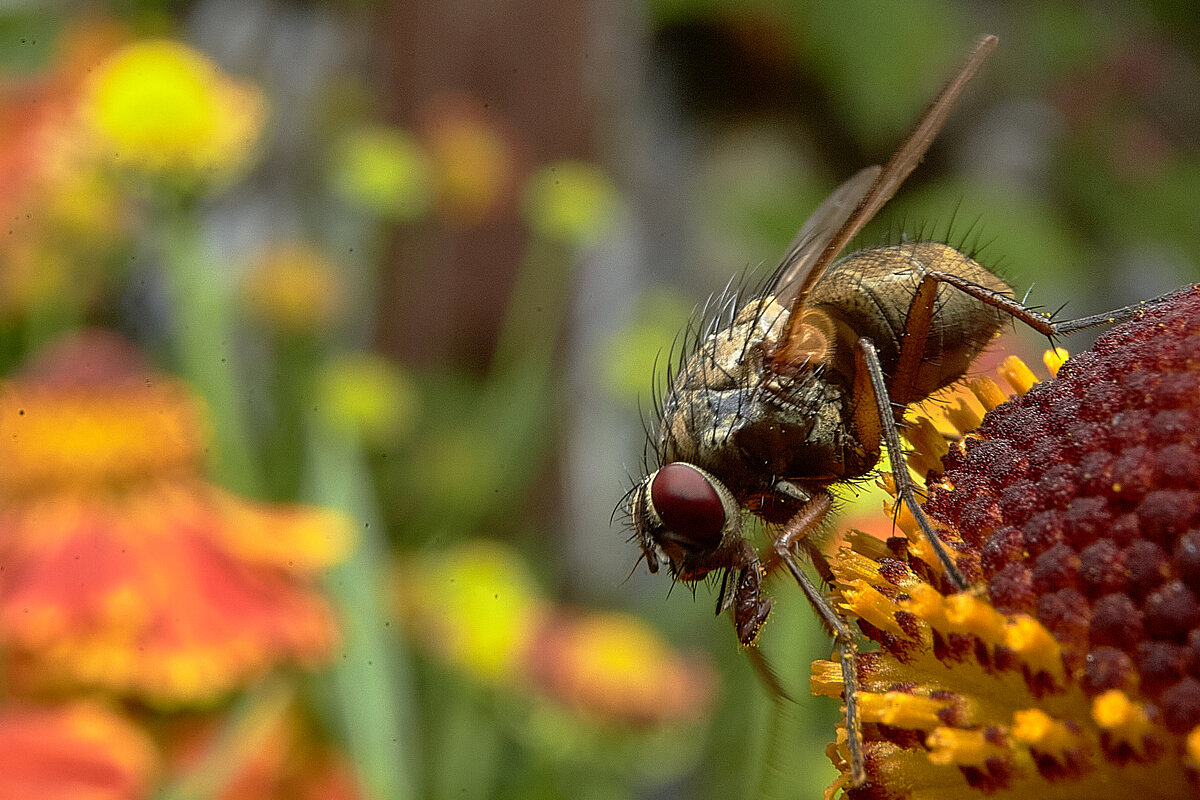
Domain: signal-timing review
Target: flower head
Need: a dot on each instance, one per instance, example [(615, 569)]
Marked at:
[(294, 288), (160, 106), (475, 606), (1071, 666), (612, 667), (123, 569)]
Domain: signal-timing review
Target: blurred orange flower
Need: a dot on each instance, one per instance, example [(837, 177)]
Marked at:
[(63, 215), (123, 569), (473, 161), (79, 752), (294, 288)]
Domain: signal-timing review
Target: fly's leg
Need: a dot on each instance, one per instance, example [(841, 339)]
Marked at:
[(917, 324), (885, 423), (1039, 321), (796, 531)]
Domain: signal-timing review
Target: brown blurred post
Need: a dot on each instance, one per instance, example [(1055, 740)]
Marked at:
[(518, 65)]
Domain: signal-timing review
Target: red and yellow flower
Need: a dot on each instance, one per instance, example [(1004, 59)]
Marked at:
[(123, 569), (1071, 666)]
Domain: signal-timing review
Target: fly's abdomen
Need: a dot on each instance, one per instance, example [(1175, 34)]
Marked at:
[(869, 294)]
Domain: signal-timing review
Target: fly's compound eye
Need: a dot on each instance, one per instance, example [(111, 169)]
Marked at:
[(689, 506)]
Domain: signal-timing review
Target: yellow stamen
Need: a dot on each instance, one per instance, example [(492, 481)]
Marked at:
[(904, 710), (1054, 359), (989, 394), (962, 748), (1018, 376), (1123, 719), (1040, 731)]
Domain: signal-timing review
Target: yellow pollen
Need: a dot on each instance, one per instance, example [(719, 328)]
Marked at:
[(868, 603), (963, 417), (1193, 747), (1040, 731), (970, 615), (826, 679), (928, 446), (1027, 638), (1123, 719)]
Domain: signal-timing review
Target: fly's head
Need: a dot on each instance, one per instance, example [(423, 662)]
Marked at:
[(686, 519)]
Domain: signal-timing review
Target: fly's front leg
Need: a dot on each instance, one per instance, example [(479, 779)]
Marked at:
[(741, 590), (868, 365), (795, 532)]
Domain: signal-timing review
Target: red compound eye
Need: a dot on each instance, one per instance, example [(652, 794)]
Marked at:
[(688, 505)]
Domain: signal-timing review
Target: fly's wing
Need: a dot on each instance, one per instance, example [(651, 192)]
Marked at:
[(816, 234), (885, 183)]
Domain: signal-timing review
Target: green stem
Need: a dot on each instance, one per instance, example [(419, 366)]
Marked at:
[(201, 302), (371, 681)]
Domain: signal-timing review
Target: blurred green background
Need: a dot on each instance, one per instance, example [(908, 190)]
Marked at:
[(517, 205)]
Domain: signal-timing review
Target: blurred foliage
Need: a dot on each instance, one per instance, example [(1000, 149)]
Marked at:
[(247, 250)]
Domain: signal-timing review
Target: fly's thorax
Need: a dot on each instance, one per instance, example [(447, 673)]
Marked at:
[(710, 395), (869, 293)]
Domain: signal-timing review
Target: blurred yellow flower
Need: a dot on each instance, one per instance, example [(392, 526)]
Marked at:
[(123, 569), (294, 288), (76, 752), (572, 201), (384, 171), (160, 106), (633, 351), (368, 395), (475, 605)]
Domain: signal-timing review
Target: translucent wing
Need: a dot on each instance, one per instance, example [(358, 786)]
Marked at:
[(885, 183), (818, 231)]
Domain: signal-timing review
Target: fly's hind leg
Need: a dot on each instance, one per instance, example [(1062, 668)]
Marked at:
[(795, 532), (1040, 322)]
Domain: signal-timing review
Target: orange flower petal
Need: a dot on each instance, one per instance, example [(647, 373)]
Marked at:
[(81, 752)]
